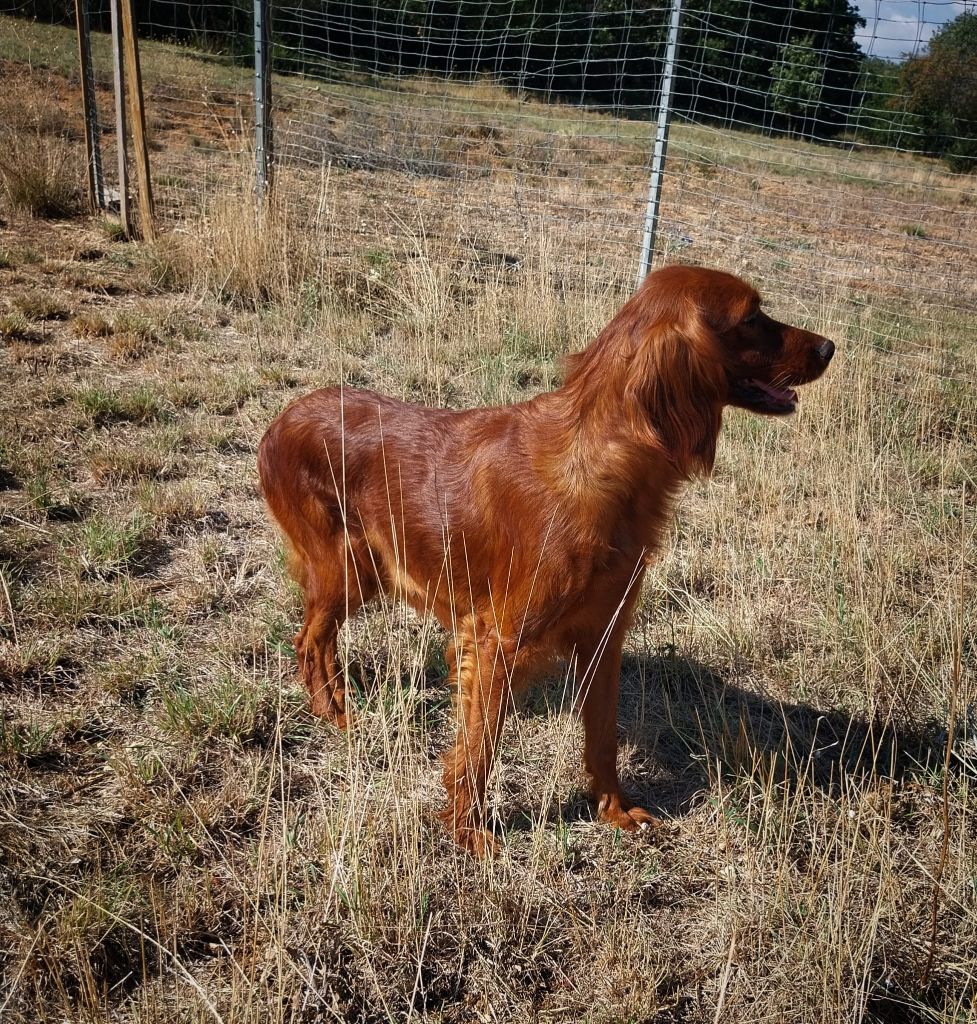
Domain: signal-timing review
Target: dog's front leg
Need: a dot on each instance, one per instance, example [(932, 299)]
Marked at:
[(599, 668)]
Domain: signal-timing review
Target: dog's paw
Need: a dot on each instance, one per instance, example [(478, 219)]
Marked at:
[(479, 842), (325, 707), (629, 819)]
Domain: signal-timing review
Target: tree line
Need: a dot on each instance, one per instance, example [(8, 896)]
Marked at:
[(792, 68)]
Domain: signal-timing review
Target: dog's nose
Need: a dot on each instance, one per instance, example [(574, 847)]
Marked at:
[(826, 350)]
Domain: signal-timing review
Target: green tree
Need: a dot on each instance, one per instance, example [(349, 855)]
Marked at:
[(941, 87), (881, 116), (797, 83), (732, 52)]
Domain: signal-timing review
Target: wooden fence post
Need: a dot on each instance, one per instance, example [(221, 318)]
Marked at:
[(137, 112)]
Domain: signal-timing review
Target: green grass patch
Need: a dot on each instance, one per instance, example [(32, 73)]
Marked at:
[(107, 545), (142, 404)]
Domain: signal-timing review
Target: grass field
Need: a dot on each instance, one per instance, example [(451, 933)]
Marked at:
[(180, 841)]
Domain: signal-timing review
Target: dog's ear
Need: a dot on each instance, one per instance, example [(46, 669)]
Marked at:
[(680, 391)]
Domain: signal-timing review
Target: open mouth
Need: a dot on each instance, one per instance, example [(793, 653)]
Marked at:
[(764, 398)]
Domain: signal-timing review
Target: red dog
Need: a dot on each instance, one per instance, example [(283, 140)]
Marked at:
[(525, 529)]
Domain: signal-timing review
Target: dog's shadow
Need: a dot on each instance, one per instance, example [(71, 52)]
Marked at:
[(685, 726)]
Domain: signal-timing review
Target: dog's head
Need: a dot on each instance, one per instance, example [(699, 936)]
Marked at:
[(700, 341), (764, 359)]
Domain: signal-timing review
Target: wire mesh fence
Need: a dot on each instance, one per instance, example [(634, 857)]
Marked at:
[(823, 150)]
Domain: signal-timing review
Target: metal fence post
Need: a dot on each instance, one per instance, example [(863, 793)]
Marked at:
[(121, 130), (262, 97), (661, 144), (96, 184)]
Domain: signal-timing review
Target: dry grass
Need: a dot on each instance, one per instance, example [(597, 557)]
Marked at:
[(39, 176), (180, 841), (41, 165), (243, 254)]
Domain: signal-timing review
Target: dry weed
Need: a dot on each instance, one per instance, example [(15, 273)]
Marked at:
[(40, 175), (179, 840)]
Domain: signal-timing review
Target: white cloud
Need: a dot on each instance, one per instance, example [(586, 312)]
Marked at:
[(895, 28)]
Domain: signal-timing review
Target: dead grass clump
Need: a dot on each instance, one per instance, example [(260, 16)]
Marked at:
[(16, 327), (115, 465), (32, 102), (133, 336), (129, 345), (140, 405), (251, 255), (108, 546), (177, 504), (40, 175), (93, 280), (91, 325), (38, 305), (42, 169)]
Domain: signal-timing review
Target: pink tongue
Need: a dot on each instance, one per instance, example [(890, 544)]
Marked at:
[(778, 395)]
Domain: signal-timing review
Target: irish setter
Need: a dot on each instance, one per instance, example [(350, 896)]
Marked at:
[(525, 529)]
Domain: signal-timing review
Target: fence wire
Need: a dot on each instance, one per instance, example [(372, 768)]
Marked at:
[(807, 151)]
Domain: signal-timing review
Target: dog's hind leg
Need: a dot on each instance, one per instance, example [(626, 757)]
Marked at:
[(332, 594), (315, 648), (482, 671)]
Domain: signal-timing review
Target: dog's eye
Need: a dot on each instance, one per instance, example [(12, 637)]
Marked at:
[(751, 319)]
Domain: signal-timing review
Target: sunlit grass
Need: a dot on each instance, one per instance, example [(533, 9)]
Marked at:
[(180, 840)]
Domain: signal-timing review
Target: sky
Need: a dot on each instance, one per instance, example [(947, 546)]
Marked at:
[(895, 28)]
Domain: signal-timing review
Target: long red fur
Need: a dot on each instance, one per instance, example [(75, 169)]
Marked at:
[(525, 529)]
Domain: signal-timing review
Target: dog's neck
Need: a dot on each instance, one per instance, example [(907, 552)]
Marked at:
[(600, 467)]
